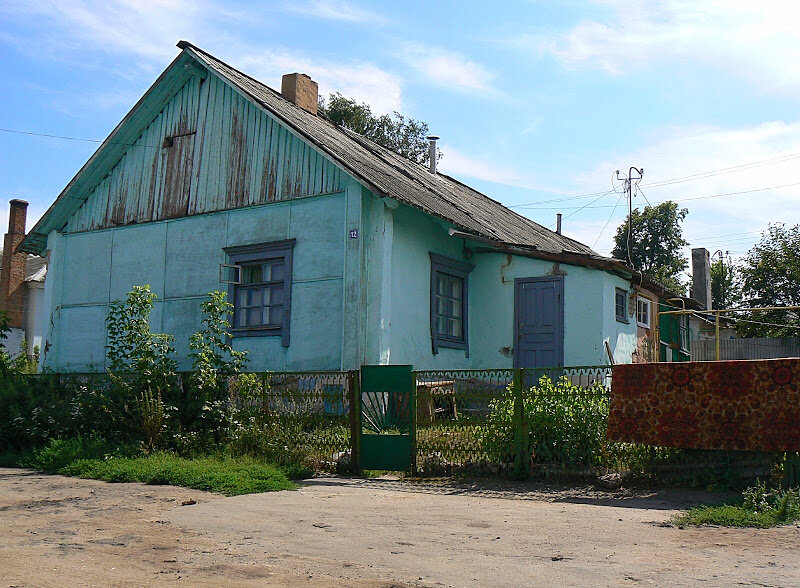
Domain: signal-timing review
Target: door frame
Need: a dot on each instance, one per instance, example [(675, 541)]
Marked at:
[(518, 282)]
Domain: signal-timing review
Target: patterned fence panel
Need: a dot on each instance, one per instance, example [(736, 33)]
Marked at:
[(455, 411), (302, 411), (520, 423)]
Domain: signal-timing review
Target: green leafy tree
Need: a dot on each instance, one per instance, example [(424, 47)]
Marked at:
[(726, 291), (213, 357), (771, 277), (141, 363), (656, 239), (405, 136)]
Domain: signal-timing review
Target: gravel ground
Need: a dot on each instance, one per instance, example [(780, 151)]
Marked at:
[(60, 531)]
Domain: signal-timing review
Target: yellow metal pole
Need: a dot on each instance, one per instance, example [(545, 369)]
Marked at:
[(716, 328)]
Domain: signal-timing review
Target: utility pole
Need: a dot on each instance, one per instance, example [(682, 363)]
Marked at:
[(628, 185)]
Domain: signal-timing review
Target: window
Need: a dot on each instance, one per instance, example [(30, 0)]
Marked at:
[(449, 288), (621, 305), (262, 290), (683, 333), (643, 312)]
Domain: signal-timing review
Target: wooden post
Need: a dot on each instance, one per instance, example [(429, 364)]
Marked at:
[(412, 422), (354, 398), (518, 422), (716, 329)]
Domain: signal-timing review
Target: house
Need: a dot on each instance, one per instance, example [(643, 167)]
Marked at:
[(22, 278), (336, 252)]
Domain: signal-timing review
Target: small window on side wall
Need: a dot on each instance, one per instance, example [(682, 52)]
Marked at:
[(263, 291), (643, 312), (621, 305), (449, 303)]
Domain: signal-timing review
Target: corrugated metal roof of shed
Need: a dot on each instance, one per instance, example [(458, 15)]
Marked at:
[(390, 174)]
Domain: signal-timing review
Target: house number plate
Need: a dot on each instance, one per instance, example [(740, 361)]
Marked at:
[(354, 233)]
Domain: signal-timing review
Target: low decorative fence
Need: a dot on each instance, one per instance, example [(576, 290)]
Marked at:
[(506, 423), (307, 412)]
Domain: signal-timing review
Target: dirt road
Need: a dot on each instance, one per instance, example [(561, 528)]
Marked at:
[(60, 531)]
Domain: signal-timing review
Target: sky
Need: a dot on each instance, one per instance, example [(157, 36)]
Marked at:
[(537, 103)]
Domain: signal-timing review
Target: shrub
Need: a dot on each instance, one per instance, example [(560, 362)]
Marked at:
[(759, 506), (59, 453), (566, 423)]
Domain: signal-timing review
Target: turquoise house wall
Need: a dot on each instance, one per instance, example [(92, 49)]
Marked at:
[(416, 235), (621, 336), (241, 177), (398, 302), (180, 261)]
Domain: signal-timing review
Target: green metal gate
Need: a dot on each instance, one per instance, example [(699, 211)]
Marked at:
[(386, 415)]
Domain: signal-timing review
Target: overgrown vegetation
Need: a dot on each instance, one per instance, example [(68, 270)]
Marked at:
[(759, 506), (93, 457), (145, 420), (566, 425)]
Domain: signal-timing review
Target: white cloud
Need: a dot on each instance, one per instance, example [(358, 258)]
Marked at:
[(754, 39), (458, 164), (335, 10), (447, 68), (148, 30), (363, 81)]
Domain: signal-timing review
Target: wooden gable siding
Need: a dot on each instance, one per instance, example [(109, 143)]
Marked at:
[(221, 152)]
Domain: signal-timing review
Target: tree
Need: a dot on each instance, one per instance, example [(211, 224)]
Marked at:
[(726, 291), (656, 239), (405, 136), (771, 277), (213, 357)]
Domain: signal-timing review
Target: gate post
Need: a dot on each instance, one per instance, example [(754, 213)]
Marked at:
[(354, 398), (518, 422), (791, 469)]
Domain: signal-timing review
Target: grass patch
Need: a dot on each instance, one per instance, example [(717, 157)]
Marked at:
[(759, 507), (92, 457), (229, 476)]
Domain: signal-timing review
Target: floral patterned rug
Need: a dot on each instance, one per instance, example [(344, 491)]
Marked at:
[(751, 405)]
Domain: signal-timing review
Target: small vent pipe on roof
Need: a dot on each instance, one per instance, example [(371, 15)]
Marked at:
[(432, 152), (558, 223)]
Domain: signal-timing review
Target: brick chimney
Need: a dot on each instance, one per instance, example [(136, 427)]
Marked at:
[(300, 90), (701, 277), (12, 275)]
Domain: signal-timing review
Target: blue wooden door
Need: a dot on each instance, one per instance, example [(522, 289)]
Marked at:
[(539, 322)]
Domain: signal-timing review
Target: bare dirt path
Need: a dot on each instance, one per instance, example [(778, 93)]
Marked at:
[(57, 531)]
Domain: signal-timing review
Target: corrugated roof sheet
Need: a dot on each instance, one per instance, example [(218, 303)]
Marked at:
[(35, 267), (389, 174)]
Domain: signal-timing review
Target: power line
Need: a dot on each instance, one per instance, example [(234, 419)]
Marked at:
[(680, 199), (677, 180), (608, 221), (68, 138)]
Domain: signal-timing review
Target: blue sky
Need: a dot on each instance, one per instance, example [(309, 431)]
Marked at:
[(537, 103)]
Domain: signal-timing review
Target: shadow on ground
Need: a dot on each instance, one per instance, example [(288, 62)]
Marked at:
[(640, 498)]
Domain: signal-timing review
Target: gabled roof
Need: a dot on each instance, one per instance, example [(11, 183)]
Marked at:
[(388, 174), (383, 171)]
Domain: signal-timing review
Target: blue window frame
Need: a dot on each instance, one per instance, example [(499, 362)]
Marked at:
[(449, 303), (262, 294), (621, 305)]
